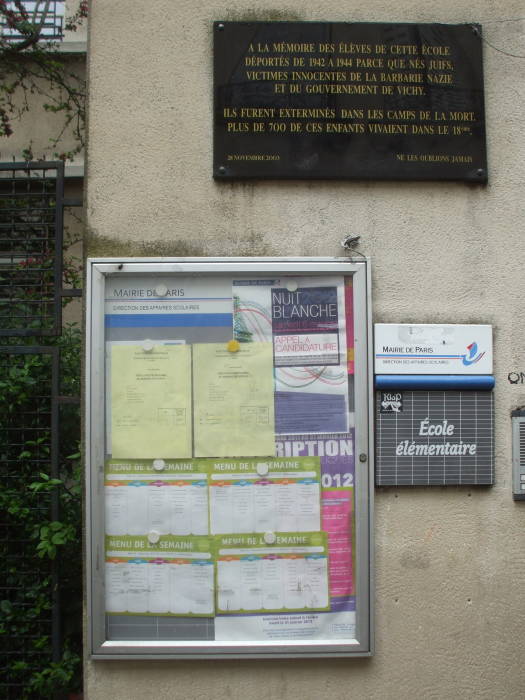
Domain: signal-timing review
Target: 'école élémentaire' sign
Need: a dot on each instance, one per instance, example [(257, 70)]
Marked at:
[(434, 438)]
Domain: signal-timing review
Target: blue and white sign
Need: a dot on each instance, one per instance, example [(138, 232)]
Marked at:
[(428, 348)]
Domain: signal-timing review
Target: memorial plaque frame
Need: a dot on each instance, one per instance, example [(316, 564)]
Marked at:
[(333, 100)]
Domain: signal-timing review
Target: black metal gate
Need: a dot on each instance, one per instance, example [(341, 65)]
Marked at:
[(32, 409)]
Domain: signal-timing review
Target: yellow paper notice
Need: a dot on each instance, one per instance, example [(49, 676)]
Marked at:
[(151, 401), (233, 400)]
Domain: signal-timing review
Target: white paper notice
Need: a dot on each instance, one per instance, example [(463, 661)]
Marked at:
[(268, 628), (243, 506), (176, 505), (291, 584), (155, 583), (260, 577), (255, 496), (173, 501)]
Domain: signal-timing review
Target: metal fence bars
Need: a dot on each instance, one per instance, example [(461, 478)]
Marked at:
[(39, 428), (31, 230)]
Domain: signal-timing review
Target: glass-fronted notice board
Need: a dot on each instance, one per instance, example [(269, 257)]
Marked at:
[(228, 457)]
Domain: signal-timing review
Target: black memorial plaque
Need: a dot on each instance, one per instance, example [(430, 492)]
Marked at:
[(438, 438), (348, 101)]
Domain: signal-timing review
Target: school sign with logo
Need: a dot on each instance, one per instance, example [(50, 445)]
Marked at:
[(434, 438), (404, 348)]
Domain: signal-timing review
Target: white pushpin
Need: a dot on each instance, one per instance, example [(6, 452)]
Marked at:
[(291, 286), (159, 464), (161, 290), (148, 345), (262, 468), (270, 537), (153, 537)]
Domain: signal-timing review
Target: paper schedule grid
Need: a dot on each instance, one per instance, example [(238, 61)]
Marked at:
[(151, 401), (256, 496), (290, 575), (233, 400), (172, 499), (173, 577)]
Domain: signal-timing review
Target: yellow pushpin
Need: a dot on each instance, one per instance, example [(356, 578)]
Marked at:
[(233, 346)]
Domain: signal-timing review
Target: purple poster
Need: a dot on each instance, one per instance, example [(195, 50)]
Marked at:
[(305, 326), (336, 453)]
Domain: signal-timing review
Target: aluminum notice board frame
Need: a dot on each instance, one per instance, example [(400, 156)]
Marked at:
[(319, 273)]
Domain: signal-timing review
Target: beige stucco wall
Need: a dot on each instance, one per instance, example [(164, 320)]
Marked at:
[(42, 131), (450, 566)]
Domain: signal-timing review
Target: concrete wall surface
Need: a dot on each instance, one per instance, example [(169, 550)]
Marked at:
[(450, 567), (40, 130)]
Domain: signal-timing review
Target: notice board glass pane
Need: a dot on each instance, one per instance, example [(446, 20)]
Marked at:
[(228, 513)]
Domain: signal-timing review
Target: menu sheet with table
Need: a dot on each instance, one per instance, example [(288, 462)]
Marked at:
[(229, 479)]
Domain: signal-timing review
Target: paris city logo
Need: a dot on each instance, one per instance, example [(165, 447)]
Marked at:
[(473, 356)]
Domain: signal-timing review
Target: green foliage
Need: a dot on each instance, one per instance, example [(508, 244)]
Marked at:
[(56, 675), (41, 521), (40, 508)]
